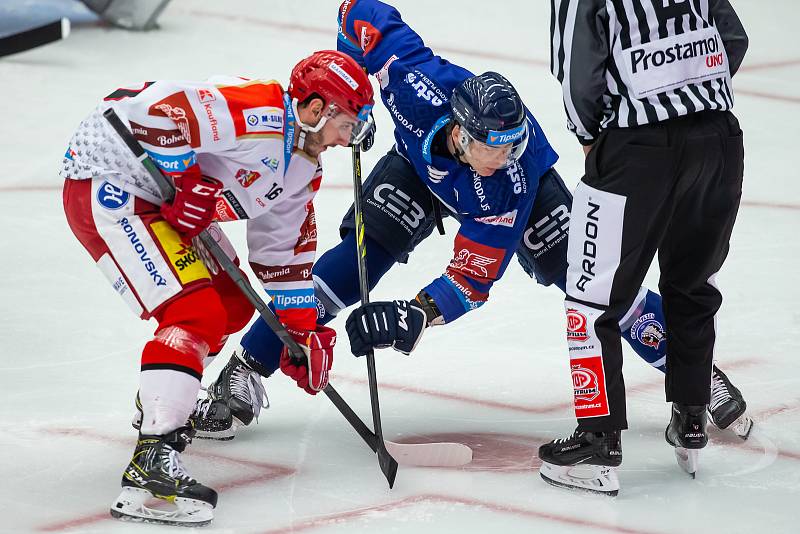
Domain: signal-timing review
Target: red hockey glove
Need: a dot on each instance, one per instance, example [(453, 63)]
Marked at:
[(193, 207), (310, 373)]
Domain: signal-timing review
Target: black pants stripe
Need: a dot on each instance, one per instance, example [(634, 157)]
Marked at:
[(672, 189)]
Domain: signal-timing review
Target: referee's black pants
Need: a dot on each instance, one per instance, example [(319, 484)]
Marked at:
[(673, 188)]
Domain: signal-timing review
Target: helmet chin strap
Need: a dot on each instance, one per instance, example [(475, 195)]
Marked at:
[(305, 128), (457, 151)]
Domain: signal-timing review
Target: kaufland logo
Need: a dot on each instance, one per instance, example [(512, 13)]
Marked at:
[(503, 138)]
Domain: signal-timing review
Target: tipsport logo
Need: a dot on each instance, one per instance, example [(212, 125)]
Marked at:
[(178, 163), (292, 299), (495, 137)]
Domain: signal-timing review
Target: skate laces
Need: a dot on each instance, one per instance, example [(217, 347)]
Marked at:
[(202, 406), (246, 386), (561, 441), (719, 391), (174, 466)]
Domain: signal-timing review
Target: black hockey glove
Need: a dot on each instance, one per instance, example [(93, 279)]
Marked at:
[(376, 325), (366, 138)]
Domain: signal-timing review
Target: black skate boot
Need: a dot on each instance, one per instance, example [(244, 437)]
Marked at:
[(687, 433), (727, 407), (238, 387), (583, 461), (211, 419), (156, 471)]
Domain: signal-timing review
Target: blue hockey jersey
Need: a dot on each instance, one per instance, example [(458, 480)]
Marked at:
[(415, 87)]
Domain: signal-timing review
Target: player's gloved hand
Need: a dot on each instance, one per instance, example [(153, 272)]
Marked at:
[(366, 138), (376, 325), (193, 207), (311, 372)]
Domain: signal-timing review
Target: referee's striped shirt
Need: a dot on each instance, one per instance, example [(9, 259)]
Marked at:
[(625, 63)]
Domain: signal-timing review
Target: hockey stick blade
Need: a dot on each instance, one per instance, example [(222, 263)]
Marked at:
[(34, 37), (430, 454)]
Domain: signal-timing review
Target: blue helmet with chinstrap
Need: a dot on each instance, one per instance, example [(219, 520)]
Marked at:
[(490, 111)]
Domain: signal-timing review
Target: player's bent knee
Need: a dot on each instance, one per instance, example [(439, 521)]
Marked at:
[(196, 319), (238, 308)]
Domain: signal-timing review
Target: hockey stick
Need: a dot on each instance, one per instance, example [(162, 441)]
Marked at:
[(34, 37), (424, 454), (385, 460)]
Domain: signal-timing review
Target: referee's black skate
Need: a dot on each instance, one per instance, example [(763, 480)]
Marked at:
[(234, 399), (727, 408), (156, 471), (687, 433), (584, 461)]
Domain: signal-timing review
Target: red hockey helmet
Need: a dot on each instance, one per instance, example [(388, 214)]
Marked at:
[(337, 78)]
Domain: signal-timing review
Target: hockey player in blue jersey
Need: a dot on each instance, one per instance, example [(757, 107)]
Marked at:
[(466, 147)]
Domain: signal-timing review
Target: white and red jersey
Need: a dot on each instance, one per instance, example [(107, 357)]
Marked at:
[(238, 131)]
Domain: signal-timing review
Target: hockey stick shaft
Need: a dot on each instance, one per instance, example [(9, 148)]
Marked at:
[(168, 192), (34, 37), (387, 462)]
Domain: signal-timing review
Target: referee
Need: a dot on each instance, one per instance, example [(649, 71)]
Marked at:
[(647, 91)]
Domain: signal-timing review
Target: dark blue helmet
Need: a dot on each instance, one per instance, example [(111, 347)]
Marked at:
[(490, 111)]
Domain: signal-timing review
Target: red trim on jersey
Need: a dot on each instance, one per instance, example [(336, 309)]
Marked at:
[(253, 95)]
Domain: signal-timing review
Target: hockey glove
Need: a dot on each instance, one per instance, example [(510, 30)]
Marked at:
[(193, 207), (366, 137), (376, 325), (310, 373)]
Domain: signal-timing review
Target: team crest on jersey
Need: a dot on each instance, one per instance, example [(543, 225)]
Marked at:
[(648, 330), (368, 35), (246, 177), (471, 262)]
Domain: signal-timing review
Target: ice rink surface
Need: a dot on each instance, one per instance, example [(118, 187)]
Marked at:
[(497, 380)]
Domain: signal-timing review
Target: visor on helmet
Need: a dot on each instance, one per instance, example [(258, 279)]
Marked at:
[(354, 128), (500, 149)]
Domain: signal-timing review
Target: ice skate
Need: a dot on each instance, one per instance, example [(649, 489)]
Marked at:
[(233, 400), (727, 408), (687, 433), (211, 419), (585, 461), (156, 487)]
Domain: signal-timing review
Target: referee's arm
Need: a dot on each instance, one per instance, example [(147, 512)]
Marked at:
[(579, 51), (732, 32)]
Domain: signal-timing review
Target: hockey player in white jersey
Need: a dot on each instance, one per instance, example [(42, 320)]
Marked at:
[(235, 149)]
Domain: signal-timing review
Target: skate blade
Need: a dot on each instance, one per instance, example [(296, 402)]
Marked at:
[(687, 459), (430, 454), (225, 435), (138, 505), (742, 427), (597, 479)]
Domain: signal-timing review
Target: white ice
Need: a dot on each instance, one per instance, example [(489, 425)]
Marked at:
[(497, 379)]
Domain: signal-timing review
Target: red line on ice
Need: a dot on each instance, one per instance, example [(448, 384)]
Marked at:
[(527, 408), (267, 472), (339, 517)]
